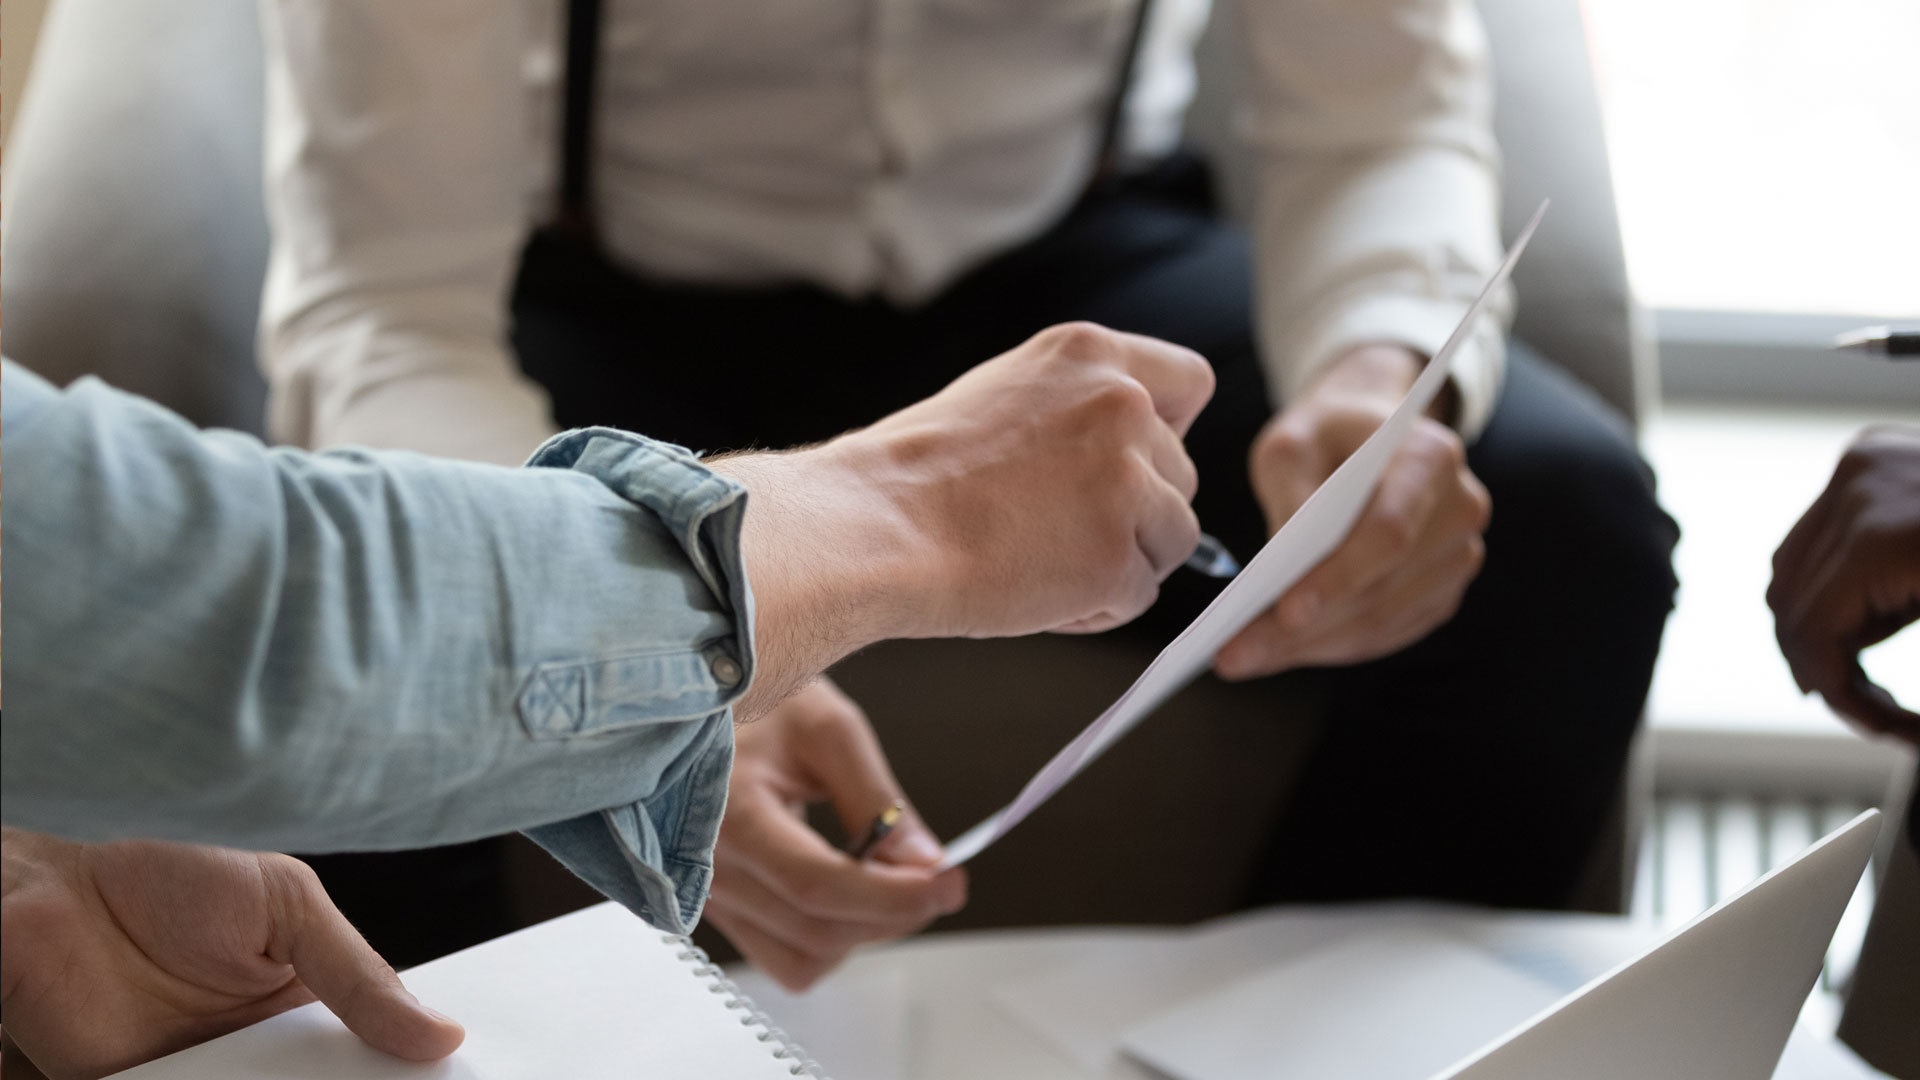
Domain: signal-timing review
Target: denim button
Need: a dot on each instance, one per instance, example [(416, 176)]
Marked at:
[(726, 670)]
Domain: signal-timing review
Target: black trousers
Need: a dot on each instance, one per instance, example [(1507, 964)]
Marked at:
[(1501, 738)]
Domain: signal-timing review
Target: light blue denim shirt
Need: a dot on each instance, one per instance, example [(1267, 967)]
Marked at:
[(213, 641)]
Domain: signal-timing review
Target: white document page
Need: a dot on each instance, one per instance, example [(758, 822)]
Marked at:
[(596, 995), (1083, 1009), (1308, 537), (1399, 1005)]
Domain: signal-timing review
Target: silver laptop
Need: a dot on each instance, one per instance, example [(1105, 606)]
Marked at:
[(1715, 1001)]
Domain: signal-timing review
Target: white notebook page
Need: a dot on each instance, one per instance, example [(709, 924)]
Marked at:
[(596, 995)]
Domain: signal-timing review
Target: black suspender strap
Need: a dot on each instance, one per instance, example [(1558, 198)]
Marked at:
[(583, 63), (576, 133)]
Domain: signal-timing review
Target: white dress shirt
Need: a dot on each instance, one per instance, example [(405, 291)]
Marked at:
[(866, 146)]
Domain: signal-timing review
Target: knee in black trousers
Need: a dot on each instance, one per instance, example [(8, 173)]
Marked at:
[(1481, 763)]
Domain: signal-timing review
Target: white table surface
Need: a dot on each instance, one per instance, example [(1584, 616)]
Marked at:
[(948, 1005)]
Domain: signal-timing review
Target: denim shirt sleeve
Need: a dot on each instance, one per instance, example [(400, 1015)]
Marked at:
[(213, 641), (620, 851)]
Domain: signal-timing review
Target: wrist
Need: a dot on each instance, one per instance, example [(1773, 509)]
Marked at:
[(1380, 372), (906, 565), (1379, 369), (832, 564)]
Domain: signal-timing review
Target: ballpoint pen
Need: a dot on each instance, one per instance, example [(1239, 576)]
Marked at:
[(1881, 341), (883, 825), (1212, 559)]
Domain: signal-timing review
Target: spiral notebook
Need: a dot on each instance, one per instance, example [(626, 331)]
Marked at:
[(595, 994)]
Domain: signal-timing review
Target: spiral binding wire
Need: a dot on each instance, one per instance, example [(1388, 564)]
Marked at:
[(778, 1043)]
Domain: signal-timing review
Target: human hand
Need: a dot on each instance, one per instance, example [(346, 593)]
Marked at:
[(791, 903), (1402, 570), (1848, 576), (1046, 489), (115, 954)]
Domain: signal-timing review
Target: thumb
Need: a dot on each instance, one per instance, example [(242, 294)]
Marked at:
[(1285, 468), (837, 750), (343, 971)]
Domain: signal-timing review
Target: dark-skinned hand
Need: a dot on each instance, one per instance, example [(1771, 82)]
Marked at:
[(1848, 577)]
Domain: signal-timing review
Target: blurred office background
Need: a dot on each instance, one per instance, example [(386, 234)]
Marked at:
[(1763, 156)]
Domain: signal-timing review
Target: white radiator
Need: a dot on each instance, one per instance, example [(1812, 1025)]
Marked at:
[(1699, 850)]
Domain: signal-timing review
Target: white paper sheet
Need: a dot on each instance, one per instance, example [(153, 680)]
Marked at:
[(1083, 1009), (1396, 1005), (1309, 536)]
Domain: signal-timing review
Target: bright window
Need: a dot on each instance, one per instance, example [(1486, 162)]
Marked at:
[(1766, 153)]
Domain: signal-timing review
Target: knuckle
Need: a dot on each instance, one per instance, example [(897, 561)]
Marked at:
[(1189, 475), (1397, 532), (1189, 526), (1280, 445), (1440, 444), (1122, 402), (1194, 369), (1145, 592), (1779, 560), (1480, 506), (1475, 556), (1855, 459), (296, 882), (1079, 339)]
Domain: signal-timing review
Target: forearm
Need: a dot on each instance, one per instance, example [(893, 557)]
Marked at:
[(226, 644), (364, 385), (396, 185), (1378, 202)]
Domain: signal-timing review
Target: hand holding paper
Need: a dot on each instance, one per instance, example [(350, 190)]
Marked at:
[(1308, 537), (790, 902), (1404, 567)]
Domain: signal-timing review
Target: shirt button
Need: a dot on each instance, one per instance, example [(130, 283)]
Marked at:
[(726, 670)]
